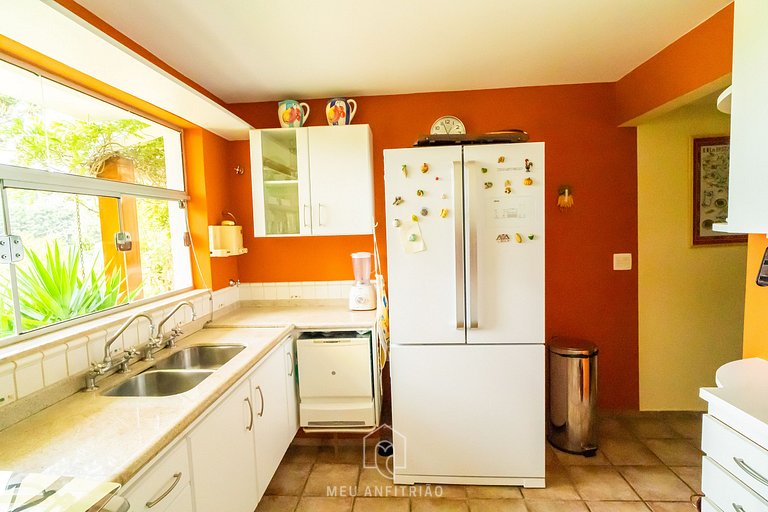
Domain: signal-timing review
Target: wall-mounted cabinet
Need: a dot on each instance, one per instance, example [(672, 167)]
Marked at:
[(312, 181), (748, 179)]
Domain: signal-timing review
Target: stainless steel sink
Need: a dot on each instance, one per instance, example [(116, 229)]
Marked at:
[(159, 383), (203, 357)]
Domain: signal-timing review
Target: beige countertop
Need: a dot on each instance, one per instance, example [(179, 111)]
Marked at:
[(89, 435), (301, 314)]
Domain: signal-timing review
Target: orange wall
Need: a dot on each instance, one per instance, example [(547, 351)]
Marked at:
[(755, 302), (584, 149), (699, 57)]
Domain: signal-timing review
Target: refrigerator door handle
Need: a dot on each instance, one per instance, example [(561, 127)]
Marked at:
[(458, 217), (472, 246)]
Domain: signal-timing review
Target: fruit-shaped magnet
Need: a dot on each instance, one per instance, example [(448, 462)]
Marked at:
[(531, 237), (507, 187), (396, 223), (528, 182), (405, 170), (501, 159), (425, 168), (412, 238), (518, 238), (444, 212), (424, 212), (420, 193), (415, 218), (488, 184), (484, 170)]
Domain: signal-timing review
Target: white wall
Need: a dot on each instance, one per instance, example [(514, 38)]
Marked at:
[(691, 299)]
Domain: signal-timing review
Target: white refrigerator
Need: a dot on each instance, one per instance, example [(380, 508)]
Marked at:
[(465, 252)]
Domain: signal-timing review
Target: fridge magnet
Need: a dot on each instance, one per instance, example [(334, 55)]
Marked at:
[(507, 187), (396, 223), (437, 178), (415, 218), (518, 238), (531, 237), (564, 197), (710, 191), (484, 170), (488, 184), (503, 238), (424, 168), (424, 212), (444, 212), (444, 196), (398, 201), (528, 182), (501, 159), (528, 165), (405, 170), (410, 238), (420, 193)]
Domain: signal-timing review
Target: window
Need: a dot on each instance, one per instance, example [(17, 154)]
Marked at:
[(75, 173)]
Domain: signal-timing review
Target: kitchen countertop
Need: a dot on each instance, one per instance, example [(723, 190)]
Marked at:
[(303, 315), (78, 436)]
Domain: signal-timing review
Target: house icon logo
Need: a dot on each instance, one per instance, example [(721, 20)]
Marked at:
[(378, 450)]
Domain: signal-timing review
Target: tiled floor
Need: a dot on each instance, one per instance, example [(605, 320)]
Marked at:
[(646, 461)]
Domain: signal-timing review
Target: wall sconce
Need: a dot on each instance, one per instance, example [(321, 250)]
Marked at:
[(565, 197)]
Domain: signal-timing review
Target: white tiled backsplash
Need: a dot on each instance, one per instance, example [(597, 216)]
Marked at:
[(68, 354), (295, 290)]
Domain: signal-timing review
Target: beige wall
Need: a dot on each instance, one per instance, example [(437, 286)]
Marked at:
[(691, 299)]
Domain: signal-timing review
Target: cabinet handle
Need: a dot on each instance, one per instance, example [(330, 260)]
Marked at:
[(738, 508), (751, 472), (176, 480), (261, 394), (319, 214), (304, 215), (290, 356), (250, 410)]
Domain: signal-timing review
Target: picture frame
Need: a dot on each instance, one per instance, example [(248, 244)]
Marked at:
[(710, 191)]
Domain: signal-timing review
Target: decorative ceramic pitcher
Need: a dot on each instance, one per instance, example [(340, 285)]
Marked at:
[(340, 111), (292, 114)]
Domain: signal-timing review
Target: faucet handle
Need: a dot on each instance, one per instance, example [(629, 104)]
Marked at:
[(130, 352)]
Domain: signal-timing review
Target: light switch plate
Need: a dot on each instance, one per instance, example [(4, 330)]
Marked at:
[(622, 261)]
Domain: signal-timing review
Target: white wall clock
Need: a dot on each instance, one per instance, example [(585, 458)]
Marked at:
[(448, 125)]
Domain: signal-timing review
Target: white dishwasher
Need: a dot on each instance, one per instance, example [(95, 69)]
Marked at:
[(335, 379)]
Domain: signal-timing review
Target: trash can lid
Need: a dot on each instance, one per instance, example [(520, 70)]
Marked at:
[(571, 346)]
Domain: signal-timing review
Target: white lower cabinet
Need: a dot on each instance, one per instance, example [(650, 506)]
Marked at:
[(161, 487), (182, 503), (223, 456), (270, 426)]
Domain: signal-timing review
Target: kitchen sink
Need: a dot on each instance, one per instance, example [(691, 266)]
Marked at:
[(200, 357), (159, 383)]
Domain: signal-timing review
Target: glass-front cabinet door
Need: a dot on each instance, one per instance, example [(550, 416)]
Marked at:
[(281, 182)]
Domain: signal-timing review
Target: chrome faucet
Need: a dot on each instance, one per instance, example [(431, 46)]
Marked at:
[(176, 331), (108, 363)]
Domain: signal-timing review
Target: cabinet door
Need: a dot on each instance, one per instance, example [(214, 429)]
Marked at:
[(222, 450), (160, 485), (280, 181), (341, 176), (270, 408), (182, 503), (291, 382)]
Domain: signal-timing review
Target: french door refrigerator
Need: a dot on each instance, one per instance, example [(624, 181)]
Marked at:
[(465, 252)]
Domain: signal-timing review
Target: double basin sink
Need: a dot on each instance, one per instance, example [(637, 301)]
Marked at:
[(179, 372)]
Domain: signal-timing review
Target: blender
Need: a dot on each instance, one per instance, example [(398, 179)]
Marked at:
[(362, 295)]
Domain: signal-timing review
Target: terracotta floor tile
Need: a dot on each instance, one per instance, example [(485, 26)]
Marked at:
[(652, 427), (325, 476), (628, 452), (277, 504), (601, 483), (672, 506), (344, 453), (556, 506), (613, 428), (315, 504), (570, 459), (675, 452), (687, 424), (301, 453), (439, 491), (657, 483), (493, 491), (289, 479), (381, 505), (689, 475), (559, 487), (617, 506), (438, 505), (497, 505)]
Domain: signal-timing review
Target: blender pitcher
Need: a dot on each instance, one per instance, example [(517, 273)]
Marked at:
[(362, 295)]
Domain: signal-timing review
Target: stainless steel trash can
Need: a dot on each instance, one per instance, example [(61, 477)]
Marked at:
[(572, 395)]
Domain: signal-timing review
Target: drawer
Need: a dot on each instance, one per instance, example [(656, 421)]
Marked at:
[(726, 492), (160, 484), (741, 457), (340, 369)]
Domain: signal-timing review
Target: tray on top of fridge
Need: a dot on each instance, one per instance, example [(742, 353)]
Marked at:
[(502, 136)]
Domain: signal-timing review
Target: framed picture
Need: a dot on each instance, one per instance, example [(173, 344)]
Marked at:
[(710, 191)]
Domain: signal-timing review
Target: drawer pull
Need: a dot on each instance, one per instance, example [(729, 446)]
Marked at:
[(250, 411), (261, 395), (176, 480), (751, 472), (738, 508), (290, 356)]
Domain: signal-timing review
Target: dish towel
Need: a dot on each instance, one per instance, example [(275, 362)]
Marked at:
[(382, 306)]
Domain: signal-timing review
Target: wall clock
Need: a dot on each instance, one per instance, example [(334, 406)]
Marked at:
[(448, 125)]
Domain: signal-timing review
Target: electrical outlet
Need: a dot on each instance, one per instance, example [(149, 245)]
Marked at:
[(622, 261)]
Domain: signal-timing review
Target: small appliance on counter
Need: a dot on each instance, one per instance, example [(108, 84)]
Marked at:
[(362, 295)]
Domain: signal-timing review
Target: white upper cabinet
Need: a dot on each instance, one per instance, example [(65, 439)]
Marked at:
[(312, 181), (748, 180)]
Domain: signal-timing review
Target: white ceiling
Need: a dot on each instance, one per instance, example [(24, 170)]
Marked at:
[(259, 50)]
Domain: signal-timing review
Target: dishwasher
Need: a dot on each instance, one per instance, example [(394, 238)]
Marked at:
[(335, 379)]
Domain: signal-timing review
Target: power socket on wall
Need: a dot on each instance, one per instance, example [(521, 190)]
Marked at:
[(622, 261)]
